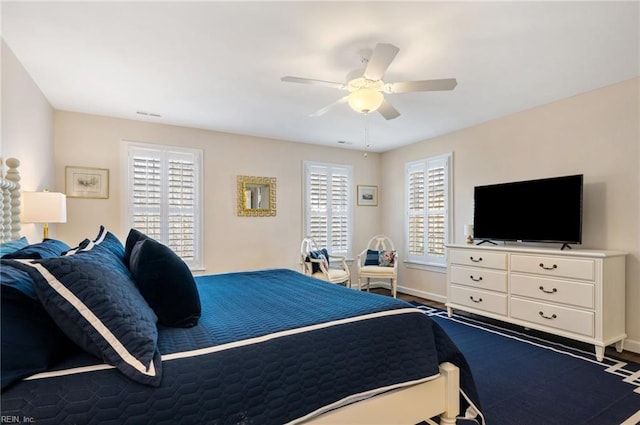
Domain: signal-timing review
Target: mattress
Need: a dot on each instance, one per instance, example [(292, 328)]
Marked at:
[(271, 347)]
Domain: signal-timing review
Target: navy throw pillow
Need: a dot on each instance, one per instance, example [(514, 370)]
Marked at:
[(133, 237), (31, 341), (93, 299), (166, 282), (372, 258), (46, 249), (319, 254)]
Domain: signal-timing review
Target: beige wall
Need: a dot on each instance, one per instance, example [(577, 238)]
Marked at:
[(231, 243), (27, 131), (595, 134)]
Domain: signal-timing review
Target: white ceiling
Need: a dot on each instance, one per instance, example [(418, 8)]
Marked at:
[(217, 65)]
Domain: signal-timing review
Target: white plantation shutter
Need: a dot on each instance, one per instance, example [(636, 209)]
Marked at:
[(164, 197), (416, 211), (317, 206), (146, 194), (427, 222), (181, 204), (328, 206), (436, 208)]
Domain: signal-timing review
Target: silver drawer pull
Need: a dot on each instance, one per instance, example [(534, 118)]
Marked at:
[(479, 300), (474, 260), (553, 316), (553, 291), (474, 279), (555, 266)]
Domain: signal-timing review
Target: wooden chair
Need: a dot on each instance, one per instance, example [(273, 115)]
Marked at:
[(334, 270), (369, 265)]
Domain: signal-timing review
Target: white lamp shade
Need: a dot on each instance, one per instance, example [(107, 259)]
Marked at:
[(365, 100), (44, 207)]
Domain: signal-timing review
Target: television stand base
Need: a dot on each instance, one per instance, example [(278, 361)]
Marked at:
[(565, 245), (486, 241)]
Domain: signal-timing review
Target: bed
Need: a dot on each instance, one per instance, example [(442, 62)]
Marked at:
[(259, 347)]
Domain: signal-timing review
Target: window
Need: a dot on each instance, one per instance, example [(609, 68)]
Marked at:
[(427, 209), (164, 197), (327, 206)]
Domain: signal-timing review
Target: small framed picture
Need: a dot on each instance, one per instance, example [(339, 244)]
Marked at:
[(367, 195), (85, 182)]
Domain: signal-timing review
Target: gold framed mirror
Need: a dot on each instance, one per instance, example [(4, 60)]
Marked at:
[(256, 196)]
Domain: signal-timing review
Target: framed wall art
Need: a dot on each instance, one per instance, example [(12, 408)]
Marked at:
[(367, 195), (86, 182)]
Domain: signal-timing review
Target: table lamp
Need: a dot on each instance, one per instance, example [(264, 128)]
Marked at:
[(468, 232), (44, 207)]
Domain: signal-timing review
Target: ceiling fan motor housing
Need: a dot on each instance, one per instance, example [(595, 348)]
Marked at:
[(365, 94), (365, 100)]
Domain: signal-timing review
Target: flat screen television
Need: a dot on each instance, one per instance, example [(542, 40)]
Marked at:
[(543, 210)]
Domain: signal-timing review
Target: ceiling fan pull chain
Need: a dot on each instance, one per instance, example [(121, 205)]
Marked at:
[(366, 132)]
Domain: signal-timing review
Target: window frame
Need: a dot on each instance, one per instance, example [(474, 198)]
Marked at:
[(340, 169), (425, 164), (165, 152)]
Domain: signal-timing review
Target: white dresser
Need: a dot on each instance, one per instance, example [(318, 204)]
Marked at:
[(577, 294)]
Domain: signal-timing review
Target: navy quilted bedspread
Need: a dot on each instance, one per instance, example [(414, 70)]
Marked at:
[(271, 347)]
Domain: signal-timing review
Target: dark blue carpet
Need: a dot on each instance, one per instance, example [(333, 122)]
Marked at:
[(526, 380)]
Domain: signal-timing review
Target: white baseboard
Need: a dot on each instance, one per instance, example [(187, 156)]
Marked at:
[(409, 291), (632, 345), (385, 285), (422, 294)]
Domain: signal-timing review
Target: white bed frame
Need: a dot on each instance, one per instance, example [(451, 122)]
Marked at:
[(408, 405), (10, 189)]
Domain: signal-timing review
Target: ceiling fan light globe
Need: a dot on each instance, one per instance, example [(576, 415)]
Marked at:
[(365, 100)]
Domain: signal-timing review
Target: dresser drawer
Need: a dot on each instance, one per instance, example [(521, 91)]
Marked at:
[(554, 266), (468, 257), (479, 278), (482, 300), (556, 290), (563, 318)]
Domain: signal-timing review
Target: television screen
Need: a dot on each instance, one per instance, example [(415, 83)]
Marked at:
[(545, 210)]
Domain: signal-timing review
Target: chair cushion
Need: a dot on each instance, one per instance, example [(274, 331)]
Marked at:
[(335, 275), (387, 258), (377, 270)]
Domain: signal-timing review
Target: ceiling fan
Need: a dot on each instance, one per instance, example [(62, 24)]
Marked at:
[(366, 86)]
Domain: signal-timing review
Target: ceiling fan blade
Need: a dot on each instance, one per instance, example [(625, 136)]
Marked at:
[(335, 85), (326, 108), (425, 85), (388, 111), (380, 60)]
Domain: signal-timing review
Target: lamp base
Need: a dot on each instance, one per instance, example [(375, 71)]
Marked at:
[(469, 239), (45, 231)]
